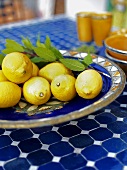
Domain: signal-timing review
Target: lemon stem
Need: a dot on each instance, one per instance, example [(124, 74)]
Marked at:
[(86, 90), (58, 84), (41, 94)]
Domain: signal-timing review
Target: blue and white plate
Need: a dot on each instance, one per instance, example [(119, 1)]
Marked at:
[(25, 115)]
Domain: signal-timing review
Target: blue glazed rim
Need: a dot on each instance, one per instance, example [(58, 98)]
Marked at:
[(115, 81)]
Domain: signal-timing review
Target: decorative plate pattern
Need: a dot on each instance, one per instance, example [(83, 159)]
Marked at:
[(54, 112)]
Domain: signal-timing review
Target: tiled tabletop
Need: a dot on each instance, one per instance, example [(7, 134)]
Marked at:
[(95, 142)]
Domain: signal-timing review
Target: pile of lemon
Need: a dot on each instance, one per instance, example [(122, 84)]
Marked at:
[(20, 77)]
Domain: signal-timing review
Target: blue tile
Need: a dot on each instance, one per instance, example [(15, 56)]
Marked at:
[(39, 157), (73, 161), (87, 168), (122, 156), (8, 153), (119, 111), (51, 166), (122, 99), (61, 148), (125, 89), (42, 129), (5, 141), (2, 131), (50, 137), (114, 145), (88, 152), (62, 124), (105, 118), (69, 130), (109, 164), (124, 136), (81, 141), (117, 127), (21, 134), (114, 107), (101, 134), (88, 124), (30, 145), (19, 163)]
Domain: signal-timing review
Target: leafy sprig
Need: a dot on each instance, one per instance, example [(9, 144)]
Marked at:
[(44, 53)]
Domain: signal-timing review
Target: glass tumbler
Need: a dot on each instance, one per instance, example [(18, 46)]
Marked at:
[(84, 26), (101, 26)]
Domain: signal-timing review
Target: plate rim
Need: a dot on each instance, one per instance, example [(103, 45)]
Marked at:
[(116, 87)]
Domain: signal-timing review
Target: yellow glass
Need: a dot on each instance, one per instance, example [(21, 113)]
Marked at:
[(101, 26), (84, 26)]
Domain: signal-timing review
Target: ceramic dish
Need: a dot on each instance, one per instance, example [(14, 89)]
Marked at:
[(116, 46), (25, 115), (121, 63)]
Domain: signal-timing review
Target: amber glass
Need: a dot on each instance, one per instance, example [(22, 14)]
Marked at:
[(84, 26), (101, 25)]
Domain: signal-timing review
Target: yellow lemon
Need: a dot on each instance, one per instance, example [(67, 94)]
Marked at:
[(2, 76), (35, 70), (17, 67), (10, 94), (63, 87), (89, 84), (36, 90), (50, 71)]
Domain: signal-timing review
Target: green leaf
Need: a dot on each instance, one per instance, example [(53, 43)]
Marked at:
[(87, 60), (73, 64), (47, 42), (14, 45), (56, 53), (1, 58), (37, 60), (86, 48), (8, 50), (38, 43), (45, 53), (27, 43)]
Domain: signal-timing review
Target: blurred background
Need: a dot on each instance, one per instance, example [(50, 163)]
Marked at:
[(17, 10)]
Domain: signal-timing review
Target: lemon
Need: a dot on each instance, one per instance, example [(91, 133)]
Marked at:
[(89, 84), (10, 94), (17, 67), (35, 70), (63, 87), (36, 90), (2, 76), (50, 71)]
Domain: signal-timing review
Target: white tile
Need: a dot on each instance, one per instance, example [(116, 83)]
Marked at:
[(77, 150), (103, 125), (116, 135), (107, 110), (120, 119), (2, 163), (90, 163), (84, 132), (23, 155), (91, 117), (35, 135), (55, 128), (44, 146), (14, 143), (97, 142), (111, 154), (33, 167), (65, 139), (56, 159)]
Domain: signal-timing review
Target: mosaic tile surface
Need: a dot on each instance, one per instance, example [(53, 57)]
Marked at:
[(95, 142)]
